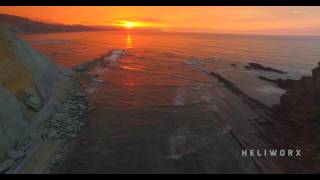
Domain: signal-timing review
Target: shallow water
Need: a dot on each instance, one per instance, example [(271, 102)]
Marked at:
[(156, 104)]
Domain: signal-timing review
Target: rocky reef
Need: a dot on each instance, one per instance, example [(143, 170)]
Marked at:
[(282, 83), (42, 106), (237, 91), (295, 118), (258, 66)]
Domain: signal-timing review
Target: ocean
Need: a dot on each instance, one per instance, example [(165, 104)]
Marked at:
[(158, 109)]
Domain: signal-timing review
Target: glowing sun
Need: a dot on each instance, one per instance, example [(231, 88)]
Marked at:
[(129, 25)]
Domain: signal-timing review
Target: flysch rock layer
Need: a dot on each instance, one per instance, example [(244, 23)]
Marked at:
[(32, 90)]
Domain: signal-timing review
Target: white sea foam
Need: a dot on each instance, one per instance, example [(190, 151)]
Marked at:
[(114, 56), (110, 59), (192, 62)]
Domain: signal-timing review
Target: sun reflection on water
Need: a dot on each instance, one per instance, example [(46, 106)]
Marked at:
[(129, 41)]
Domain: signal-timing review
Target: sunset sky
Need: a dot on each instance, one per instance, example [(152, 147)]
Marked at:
[(249, 20)]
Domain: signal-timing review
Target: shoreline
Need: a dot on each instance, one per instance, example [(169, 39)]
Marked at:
[(47, 141), (45, 145), (44, 108)]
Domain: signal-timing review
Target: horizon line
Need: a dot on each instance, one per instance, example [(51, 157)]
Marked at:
[(152, 29)]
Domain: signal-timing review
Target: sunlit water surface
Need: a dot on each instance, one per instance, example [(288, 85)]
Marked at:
[(160, 92)]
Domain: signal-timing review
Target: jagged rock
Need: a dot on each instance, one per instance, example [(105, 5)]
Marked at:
[(263, 68), (230, 85), (282, 83), (299, 110), (16, 155), (6, 165), (237, 91)]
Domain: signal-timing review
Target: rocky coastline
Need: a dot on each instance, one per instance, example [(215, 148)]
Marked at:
[(298, 113), (296, 116), (49, 112), (61, 127), (42, 111)]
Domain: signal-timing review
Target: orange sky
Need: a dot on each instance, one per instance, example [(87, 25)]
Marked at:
[(257, 20)]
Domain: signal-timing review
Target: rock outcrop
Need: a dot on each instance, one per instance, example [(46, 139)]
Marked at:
[(263, 68), (301, 102), (282, 83), (237, 91), (299, 115)]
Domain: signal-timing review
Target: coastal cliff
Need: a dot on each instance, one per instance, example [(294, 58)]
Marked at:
[(27, 82), (298, 113), (32, 90)]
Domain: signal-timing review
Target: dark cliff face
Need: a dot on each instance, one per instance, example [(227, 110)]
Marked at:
[(299, 115), (301, 102), (25, 25)]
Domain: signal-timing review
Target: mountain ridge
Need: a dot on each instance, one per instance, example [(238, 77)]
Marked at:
[(19, 24)]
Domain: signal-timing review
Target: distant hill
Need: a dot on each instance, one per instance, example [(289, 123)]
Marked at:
[(25, 25)]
